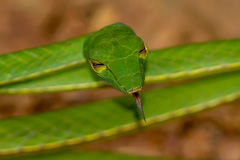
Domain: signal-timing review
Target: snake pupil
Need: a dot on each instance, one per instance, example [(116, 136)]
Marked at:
[(96, 65), (142, 50)]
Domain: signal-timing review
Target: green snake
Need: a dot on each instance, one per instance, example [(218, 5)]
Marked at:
[(118, 56), (212, 68)]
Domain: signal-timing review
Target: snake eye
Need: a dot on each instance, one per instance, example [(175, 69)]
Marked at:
[(97, 66), (143, 52)]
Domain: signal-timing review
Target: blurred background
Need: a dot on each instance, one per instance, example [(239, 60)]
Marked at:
[(160, 23)]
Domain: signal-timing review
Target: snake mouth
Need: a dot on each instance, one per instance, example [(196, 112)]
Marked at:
[(134, 90), (138, 102)]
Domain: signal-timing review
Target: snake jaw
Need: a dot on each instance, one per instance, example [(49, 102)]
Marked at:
[(138, 102)]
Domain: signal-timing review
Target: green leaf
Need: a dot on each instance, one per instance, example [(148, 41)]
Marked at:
[(188, 61), (114, 117)]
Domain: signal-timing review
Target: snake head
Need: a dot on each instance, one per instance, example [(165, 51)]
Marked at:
[(118, 56)]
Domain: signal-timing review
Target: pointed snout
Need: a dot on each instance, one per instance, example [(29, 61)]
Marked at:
[(127, 74), (134, 90), (132, 83)]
